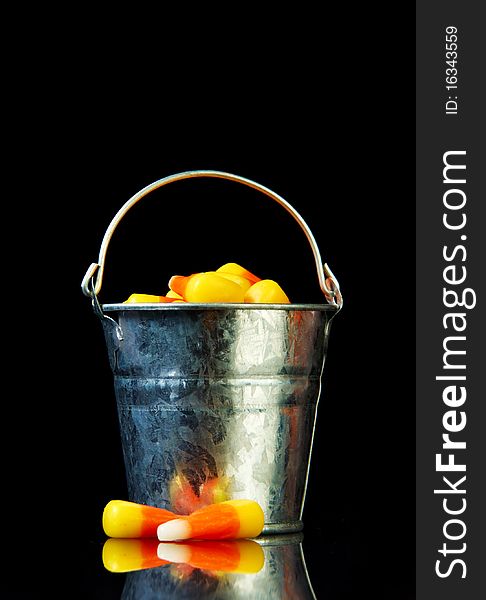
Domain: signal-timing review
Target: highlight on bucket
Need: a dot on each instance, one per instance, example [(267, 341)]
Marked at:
[(217, 399)]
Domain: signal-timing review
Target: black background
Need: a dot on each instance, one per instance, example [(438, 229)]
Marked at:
[(314, 110)]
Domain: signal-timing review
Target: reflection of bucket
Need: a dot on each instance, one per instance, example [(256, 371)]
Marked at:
[(217, 401)]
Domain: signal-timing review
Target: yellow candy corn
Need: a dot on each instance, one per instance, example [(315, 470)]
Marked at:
[(134, 298), (266, 291), (241, 281), (212, 287), (235, 269), (147, 298), (172, 294)]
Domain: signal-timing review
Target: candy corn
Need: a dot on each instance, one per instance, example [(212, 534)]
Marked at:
[(178, 284), (218, 286), (236, 269), (230, 283), (211, 287), (232, 519), (175, 295), (122, 519), (266, 291), (148, 298), (244, 283)]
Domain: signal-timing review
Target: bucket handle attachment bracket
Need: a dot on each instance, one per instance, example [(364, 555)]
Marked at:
[(99, 311), (91, 287)]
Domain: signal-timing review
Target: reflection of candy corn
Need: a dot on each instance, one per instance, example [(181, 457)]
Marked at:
[(186, 497), (232, 519), (242, 556), (123, 519), (120, 556)]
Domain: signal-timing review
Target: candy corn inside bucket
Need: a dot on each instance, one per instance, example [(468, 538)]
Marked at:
[(230, 283), (226, 520)]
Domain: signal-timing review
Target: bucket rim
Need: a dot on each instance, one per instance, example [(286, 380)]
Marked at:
[(191, 306)]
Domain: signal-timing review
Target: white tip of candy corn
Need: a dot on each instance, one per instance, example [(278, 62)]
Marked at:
[(177, 529), (176, 553)]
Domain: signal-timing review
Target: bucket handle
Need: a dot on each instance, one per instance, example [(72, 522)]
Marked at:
[(327, 281)]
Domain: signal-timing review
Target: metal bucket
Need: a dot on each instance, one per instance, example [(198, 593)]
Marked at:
[(217, 401)]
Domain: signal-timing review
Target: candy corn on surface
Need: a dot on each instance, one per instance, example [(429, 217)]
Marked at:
[(233, 519)]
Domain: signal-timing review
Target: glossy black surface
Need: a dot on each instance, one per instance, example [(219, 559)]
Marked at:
[(337, 565)]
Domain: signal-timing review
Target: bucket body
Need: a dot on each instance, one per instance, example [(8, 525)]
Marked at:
[(218, 402)]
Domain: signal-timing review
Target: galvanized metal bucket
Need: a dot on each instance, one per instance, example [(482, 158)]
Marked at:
[(217, 401)]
